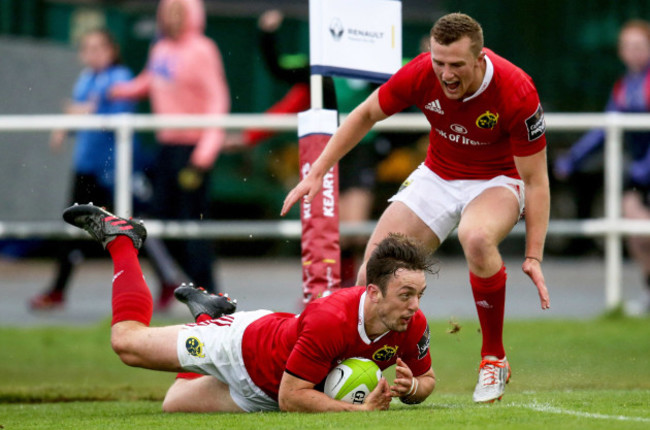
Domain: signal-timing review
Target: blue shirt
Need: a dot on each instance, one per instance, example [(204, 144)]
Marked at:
[(631, 94), (94, 152)]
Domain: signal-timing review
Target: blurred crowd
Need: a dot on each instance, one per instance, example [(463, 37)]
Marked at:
[(185, 73)]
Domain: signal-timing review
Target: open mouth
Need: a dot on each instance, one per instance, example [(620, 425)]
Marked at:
[(452, 86)]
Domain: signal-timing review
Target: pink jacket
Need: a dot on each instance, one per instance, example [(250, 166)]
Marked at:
[(184, 76)]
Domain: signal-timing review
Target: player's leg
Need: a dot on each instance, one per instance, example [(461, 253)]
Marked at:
[(398, 218), (202, 394), (485, 222), (153, 348), (132, 305)]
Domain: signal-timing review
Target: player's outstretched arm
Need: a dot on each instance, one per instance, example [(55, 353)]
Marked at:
[(298, 395), (353, 129), (534, 173), (411, 389)]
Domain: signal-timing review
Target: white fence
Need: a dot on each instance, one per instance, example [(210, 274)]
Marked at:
[(612, 227)]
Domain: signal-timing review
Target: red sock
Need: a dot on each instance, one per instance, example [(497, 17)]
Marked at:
[(490, 297), (188, 375), (131, 297)]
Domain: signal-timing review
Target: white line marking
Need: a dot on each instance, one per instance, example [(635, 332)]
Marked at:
[(554, 410)]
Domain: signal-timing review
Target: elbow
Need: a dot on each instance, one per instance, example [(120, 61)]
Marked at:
[(290, 401), (285, 404)]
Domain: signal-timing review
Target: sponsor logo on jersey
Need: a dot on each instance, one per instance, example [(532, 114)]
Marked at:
[(458, 128), (487, 120), (423, 344), (459, 138), (435, 107), (194, 347), (385, 353), (535, 124)]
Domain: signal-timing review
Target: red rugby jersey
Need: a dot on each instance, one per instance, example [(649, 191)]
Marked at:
[(327, 332), (475, 137)]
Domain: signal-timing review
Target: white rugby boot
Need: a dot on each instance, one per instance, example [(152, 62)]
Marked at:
[(493, 376)]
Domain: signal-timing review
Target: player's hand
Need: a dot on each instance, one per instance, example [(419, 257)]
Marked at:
[(533, 269), (403, 379), (308, 188), (379, 398)]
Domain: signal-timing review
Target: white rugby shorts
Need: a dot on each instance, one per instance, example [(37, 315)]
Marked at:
[(215, 348), (440, 203)]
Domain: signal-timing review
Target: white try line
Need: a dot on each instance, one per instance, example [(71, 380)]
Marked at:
[(555, 410)]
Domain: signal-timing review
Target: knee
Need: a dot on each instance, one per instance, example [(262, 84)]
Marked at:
[(121, 344), (476, 244), (170, 403)]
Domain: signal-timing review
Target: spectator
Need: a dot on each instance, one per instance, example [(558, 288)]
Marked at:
[(94, 149), (184, 75), (631, 93)]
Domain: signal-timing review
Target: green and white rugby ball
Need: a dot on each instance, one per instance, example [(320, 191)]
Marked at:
[(352, 380)]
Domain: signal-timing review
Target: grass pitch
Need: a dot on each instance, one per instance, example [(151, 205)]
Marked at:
[(591, 374)]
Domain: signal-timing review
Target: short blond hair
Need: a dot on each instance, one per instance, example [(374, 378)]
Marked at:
[(452, 27)]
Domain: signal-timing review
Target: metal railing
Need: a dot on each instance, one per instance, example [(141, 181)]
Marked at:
[(612, 227)]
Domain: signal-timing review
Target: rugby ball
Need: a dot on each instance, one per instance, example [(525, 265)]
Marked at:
[(352, 380)]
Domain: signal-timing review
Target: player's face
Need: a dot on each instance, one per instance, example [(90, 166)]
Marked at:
[(458, 70), (96, 52), (634, 49), (402, 299)]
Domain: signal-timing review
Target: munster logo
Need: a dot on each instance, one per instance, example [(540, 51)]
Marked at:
[(385, 353), (487, 120)]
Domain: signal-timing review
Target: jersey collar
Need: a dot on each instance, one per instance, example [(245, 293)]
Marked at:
[(361, 326), (489, 73)]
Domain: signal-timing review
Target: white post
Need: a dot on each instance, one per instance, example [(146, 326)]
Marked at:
[(316, 91), (124, 167), (613, 192)]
